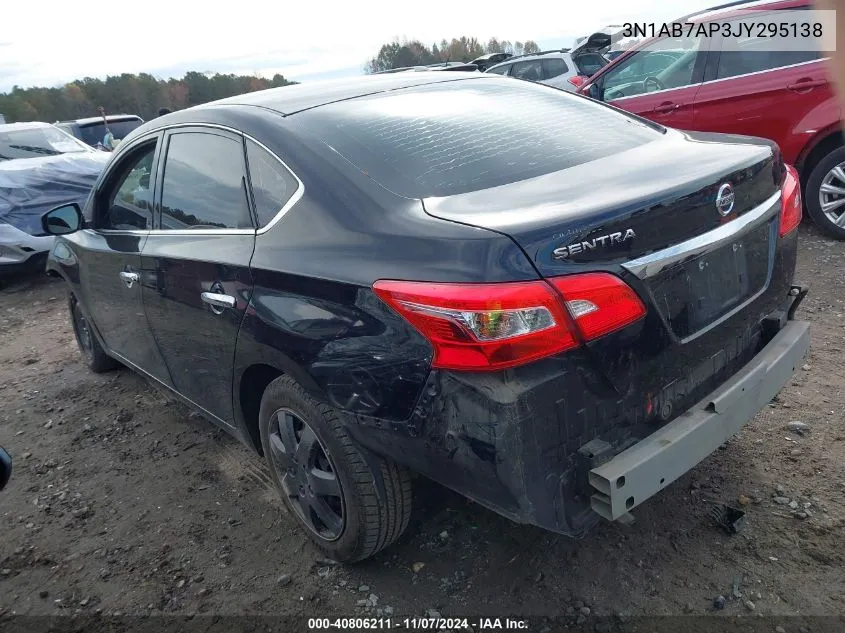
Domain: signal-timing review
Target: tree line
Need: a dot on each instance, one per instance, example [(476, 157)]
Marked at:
[(144, 94), (399, 54), (140, 94)]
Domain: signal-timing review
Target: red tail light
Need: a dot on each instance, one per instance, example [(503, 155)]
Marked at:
[(495, 326), (790, 212), (600, 303), (577, 80)]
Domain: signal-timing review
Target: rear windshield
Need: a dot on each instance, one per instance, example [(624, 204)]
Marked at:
[(589, 63), (33, 142), (456, 137), (95, 132)]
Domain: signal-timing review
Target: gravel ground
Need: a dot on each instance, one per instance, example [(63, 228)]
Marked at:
[(122, 501)]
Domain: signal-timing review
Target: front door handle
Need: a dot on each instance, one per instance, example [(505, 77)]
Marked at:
[(667, 107), (806, 83), (218, 302), (129, 278)]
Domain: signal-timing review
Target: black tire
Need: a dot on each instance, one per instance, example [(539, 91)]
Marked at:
[(368, 523), (92, 352), (812, 191)]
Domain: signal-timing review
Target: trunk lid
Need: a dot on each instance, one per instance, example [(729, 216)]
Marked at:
[(608, 211), (650, 216), (588, 52)]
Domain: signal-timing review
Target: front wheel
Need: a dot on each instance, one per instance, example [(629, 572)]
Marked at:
[(824, 194), (325, 479)]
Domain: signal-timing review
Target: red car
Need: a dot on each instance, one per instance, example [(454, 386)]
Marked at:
[(741, 86)]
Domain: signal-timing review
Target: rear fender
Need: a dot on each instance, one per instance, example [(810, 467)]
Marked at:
[(338, 341), (816, 125)]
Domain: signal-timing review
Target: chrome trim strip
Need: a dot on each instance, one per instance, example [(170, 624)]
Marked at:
[(654, 263), (760, 72), (116, 232), (175, 232), (656, 92), (296, 197), (202, 232)]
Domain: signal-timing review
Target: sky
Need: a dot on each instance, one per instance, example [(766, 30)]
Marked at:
[(49, 43)]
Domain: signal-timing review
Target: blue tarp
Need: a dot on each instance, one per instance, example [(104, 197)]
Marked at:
[(29, 187)]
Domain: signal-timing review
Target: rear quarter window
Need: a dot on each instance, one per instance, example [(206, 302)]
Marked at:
[(456, 137), (500, 70), (272, 184)]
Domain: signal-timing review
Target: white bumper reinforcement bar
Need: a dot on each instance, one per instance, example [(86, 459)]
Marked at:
[(644, 469)]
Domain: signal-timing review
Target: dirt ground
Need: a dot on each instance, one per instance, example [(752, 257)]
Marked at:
[(125, 502)]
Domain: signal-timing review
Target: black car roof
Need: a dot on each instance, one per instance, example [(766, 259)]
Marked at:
[(291, 99)]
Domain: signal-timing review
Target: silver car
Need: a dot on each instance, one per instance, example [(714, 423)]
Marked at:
[(40, 167), (565, 68)]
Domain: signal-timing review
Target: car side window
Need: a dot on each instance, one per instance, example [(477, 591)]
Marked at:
[(128, 199), (272, 184), (553, 67), (500, 70), (204, 184), (529, 71), (751, 54), (669, 62)]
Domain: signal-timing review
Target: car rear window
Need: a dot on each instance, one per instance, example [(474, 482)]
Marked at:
[(589, 63), (455, 137), (95, 132)]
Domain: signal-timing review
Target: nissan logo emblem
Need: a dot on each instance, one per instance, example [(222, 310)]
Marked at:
[(725, 199)]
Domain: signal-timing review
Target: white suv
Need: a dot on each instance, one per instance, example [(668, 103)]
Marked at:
[(564, 68)]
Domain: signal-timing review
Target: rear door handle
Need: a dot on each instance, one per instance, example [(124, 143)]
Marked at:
[(218, 302), (667, 107), (129, 278), (806, 83)]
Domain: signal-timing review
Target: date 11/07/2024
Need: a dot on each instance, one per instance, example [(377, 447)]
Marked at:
[(417, 624)]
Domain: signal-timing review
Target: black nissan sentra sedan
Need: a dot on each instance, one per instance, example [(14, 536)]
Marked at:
[(555, 309)]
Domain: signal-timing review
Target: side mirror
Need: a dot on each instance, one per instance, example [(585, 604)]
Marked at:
[(62, 220), (144, 181), (594, 92), (5, 468)]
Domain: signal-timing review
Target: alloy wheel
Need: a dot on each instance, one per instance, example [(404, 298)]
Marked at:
[(832, 195), (307, 475)]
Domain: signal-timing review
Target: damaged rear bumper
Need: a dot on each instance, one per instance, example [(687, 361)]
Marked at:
[(650, 465), (547, 443)]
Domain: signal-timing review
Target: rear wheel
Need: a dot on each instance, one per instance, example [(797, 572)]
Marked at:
[(95, 357), (325, 479), (825, 194)]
